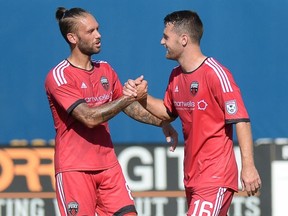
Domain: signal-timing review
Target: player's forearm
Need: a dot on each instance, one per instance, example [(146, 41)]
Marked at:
[(244, 135), (157, 108), (137, 112), (93, 116)]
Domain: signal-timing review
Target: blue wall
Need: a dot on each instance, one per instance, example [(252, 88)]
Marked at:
[(249, 37)]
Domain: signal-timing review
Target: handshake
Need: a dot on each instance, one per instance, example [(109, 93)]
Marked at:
[(154, 109), (137, 88)]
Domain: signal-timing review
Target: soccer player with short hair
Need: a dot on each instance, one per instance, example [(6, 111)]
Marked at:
[(204, 95)]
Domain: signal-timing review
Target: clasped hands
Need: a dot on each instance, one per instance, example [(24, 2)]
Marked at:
[(137, 88)]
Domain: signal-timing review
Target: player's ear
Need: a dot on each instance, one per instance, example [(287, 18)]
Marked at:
[(184, 39), (72, 38)]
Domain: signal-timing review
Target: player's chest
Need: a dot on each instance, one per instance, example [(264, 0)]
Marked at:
[(95, 89), (191, 94)]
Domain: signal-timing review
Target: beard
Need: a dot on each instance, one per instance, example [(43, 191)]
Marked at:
[(88, 49)]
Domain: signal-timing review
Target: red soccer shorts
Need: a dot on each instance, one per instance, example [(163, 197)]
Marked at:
[(209, 201), (88, 192)]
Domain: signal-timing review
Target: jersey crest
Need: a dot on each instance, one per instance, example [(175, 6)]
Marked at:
[(194, 87), (105, 82), (72, 208)]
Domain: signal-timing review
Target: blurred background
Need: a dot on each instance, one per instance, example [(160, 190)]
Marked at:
[(248, 37)]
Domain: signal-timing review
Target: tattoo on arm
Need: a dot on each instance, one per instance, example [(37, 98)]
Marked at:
[(92, 116), (137, 112)]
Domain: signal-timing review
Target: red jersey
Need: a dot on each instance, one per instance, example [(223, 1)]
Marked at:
[(76, 146), (208, 102)]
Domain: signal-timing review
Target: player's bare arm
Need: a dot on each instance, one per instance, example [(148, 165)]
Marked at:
[(157, 107), (250, 178), (153, 105), (137, 112), (138, 88), (93, 116)]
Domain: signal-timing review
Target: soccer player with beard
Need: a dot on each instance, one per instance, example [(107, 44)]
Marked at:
[(83, 95)]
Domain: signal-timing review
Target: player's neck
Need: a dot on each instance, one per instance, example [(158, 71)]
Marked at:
[(80, 61), (190, 63)]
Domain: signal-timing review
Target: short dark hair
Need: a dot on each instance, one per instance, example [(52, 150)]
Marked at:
[(186, 21), (67, 19)]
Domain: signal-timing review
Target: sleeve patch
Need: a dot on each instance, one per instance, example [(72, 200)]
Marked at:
[(231, 107)]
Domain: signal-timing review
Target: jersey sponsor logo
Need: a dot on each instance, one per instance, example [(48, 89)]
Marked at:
[(105, 82), (191, 105), (231, 107), (101, 98), (202, 105), (184, 104), (194, 87), (72, 208), (221, 74)]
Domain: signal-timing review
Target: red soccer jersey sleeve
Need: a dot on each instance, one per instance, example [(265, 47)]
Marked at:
[(227, 92)]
